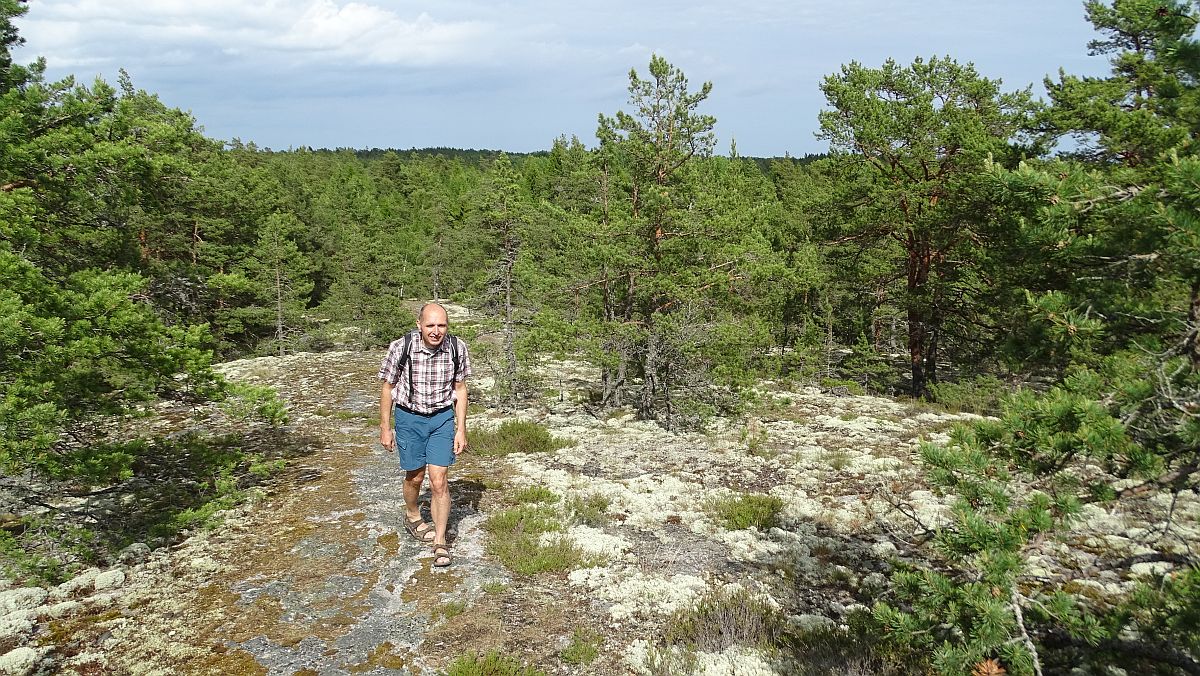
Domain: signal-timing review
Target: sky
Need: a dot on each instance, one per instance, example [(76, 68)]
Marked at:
[(516, 75)]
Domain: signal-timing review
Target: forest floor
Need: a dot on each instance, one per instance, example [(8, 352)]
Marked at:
[(317, 576)]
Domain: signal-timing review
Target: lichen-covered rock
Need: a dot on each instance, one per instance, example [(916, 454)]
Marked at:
[(110, 579), (13, 631), (592, 541), (61, 609), (134, 554), (810, 622), (82, 583), (325, 574), (633, 593), (734, 661), (24, 598), (105, 599), (20, 661)]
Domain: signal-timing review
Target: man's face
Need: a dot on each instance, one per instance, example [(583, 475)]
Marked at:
[(432, 325)]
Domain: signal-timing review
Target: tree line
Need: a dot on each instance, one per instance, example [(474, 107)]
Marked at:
[(959, 237)]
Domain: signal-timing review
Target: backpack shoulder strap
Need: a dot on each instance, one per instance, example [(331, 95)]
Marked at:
[(406, 360), (453, 357), (404, 355)]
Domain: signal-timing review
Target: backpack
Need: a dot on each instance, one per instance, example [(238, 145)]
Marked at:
[(405, 361)]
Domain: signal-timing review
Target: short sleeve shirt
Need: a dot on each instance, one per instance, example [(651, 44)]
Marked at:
[(433, 375)]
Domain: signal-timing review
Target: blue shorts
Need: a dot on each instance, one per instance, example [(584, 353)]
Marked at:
[(424, 440)]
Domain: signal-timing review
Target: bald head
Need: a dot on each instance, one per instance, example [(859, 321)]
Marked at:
[(430, 307), (432, 322)]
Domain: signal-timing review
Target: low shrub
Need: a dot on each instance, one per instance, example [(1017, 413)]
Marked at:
[(247, 402), (858, 649), (981, 395), (842, 386), (535, 494), (724, 618)]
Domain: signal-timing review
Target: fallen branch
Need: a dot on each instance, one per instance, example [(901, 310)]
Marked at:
[(1175, 477), (1033, 653), (1160, 653)]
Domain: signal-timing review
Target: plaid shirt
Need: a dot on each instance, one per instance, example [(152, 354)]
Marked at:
[(432, 371)]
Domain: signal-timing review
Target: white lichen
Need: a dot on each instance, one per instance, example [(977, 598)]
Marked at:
[(632, 593)]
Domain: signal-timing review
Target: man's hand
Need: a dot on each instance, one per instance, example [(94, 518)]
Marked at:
[(460, 442), (387, 438)]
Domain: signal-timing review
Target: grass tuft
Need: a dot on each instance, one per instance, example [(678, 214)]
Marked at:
[(515, 536), (750, 509), (494, 587), (670, 661), (583, 648), (837, 460), (491, 664), (515, 436), (448, 610), (590, 510)]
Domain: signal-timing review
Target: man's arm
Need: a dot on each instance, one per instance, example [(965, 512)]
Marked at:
[(387, 435), (460, 417)]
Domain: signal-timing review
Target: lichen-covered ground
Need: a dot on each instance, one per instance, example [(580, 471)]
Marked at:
[(318, 577)]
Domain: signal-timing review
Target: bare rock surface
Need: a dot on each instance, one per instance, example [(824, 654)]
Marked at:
[(317, 575)]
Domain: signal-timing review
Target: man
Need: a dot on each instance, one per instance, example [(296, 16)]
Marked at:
[(426, 391)]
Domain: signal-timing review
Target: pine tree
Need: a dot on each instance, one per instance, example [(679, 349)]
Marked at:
[(1116, 319), (283, 272), (918, 134)]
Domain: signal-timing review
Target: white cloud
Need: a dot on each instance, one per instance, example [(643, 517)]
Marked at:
[(348, 32), (371, 34)]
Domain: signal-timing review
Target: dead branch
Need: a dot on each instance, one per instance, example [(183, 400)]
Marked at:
[(19, 183), (1015, 598), (1176, 477), (1161, 653)]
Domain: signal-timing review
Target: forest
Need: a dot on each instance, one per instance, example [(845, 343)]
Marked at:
[(960, 244)]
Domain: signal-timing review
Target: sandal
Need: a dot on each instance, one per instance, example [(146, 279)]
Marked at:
[(442, 553), (414, 528)]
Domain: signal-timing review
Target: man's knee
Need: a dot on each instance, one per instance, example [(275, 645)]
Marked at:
[(438, 484), (414, 475)]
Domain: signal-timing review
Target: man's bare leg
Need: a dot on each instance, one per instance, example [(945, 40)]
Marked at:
[(439, 505), (412, 491)]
